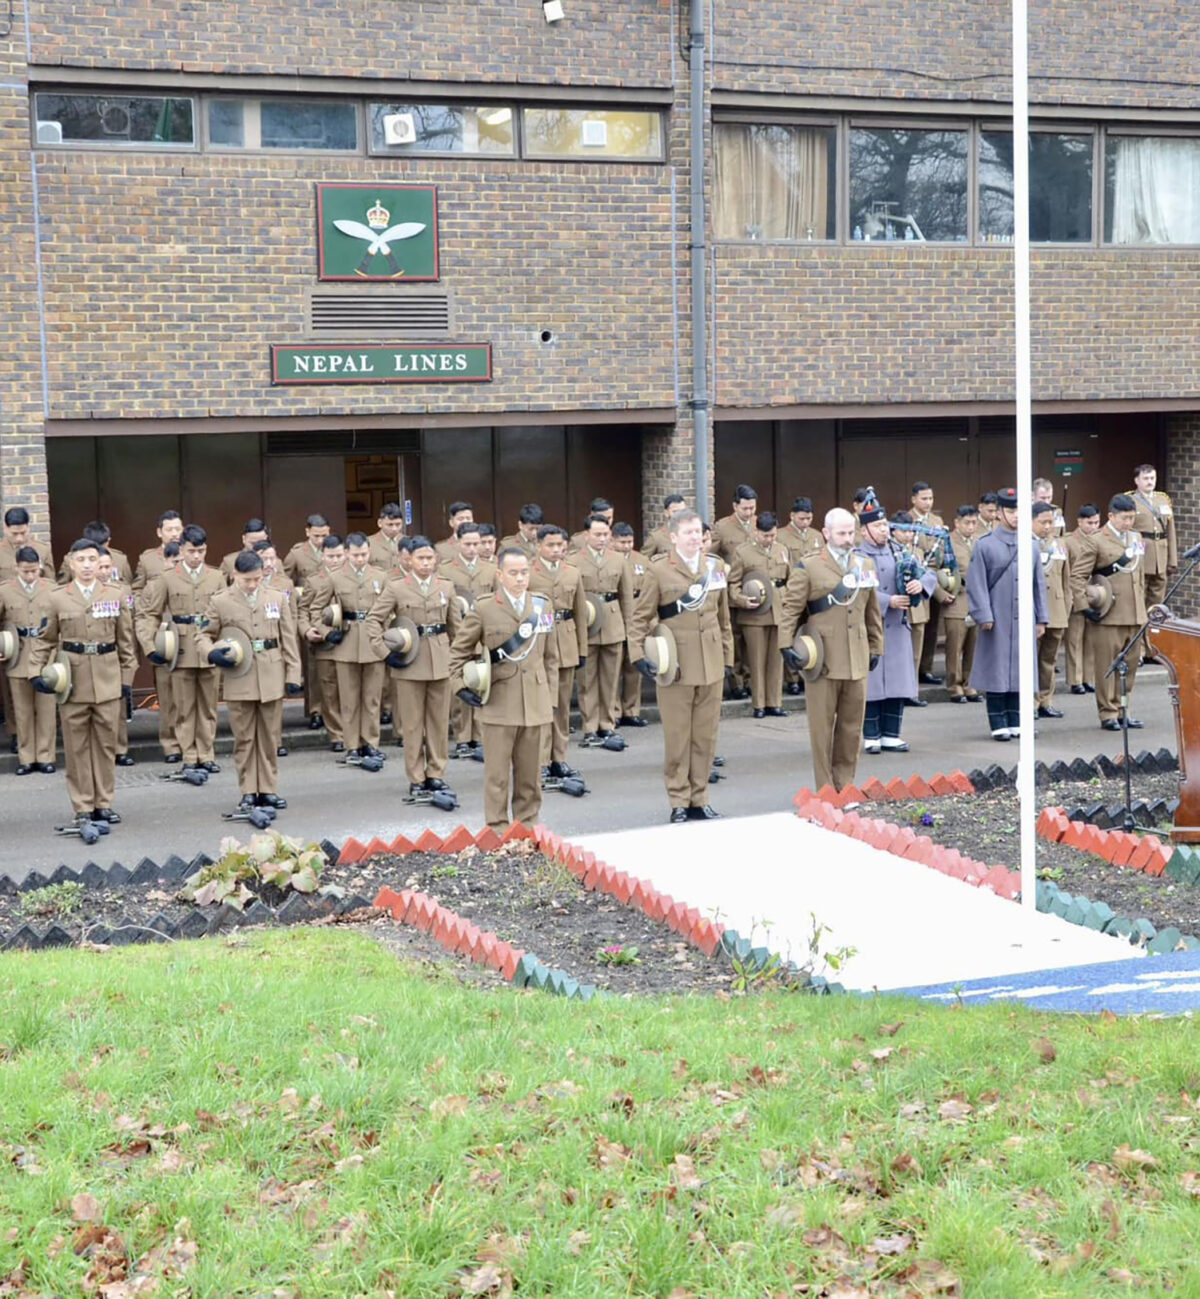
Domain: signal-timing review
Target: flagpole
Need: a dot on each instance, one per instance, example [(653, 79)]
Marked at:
[(1026, 645)]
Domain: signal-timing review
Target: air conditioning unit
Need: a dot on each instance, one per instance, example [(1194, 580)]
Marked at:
[(399, 128), (595, 134), (49, 133)]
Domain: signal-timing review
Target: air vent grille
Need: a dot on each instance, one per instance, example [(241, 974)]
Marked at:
[(362, 316)]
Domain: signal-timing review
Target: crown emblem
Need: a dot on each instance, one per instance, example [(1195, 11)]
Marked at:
[(378, 216)]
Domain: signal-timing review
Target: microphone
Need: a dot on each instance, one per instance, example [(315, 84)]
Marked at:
[(1192, 552)]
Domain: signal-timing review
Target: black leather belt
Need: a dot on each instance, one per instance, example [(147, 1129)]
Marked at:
[(1155, 536), (88, 647), (608, 596), (30, 631), (431, 629), (821, 604), (781, 582), (189, 619), (564, 615), (353, 615), (666, 611), (1110, 571)]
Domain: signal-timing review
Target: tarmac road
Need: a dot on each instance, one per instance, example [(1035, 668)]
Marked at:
[(766, 762)]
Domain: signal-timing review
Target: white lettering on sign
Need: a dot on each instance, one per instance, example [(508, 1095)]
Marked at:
[(429, 362), (320, 363)]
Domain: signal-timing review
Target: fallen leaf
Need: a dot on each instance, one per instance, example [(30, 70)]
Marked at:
[(880, 1055), (610, 1153), (503, 1251), (1045, 1050), (1133, 1160), (172, 1161), (1191, 1184), (487, 1279), (784, 1215), (897, 1244), (1108, 1017), (913, 1110), (351, 1161), (448, 1106), (905, 1164), (1109, 1210), (683, 1173), (348, 1231), (889, 1030), (930, 1276), (771, 1160), (85, 1208), (576, 1242), (955, 1110)]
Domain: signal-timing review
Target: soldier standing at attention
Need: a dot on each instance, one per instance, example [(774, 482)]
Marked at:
[(1052, 554), (525, 538), (687, 592), (608, 583), (100, 535), (515, 631), (1080, 669), (90, 626), (104, 573), (254, 531), (730, 532), (305, 560), (1156, 523), (154, 561), (659, 541), (1043, 494), (25, 603), (922, 512), (385, 540), (758, 612), (488, 542), (421, 679), (273, 574), (311, 604), (457, 514), (800, 537), (551, 576), (254, 697), (629, 702), (599, 507), (960, 629), (472, 578), (992, 593), (832, 595), (989, 512), (357, 663)]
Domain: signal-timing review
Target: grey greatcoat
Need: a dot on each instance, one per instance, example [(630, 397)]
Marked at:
[(992, 596), (895, 675)]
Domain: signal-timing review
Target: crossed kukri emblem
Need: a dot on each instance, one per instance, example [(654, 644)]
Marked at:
[(379, 237)]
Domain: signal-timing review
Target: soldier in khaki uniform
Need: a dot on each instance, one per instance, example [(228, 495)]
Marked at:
[(759, 618), (1114, 552), (550, 575), (306, 559), (801, 540), (182, 594), (515, 628), (846, 616), (659, 541), (91, 626), (629, 687), (104, 572), (472, 578), (1043, 494), (100, 535), (255, 699), (488, 542), (687, 591), (529, 521), (422, 687), (384, 542), (579, 539), (961, 631), (311, 602), (356, 665), (1080, 669), (16, 537), (25, 602), (254, 532), (728, 533), (925, 626), (1156, 523), (608, 581), (458, 513), (1052, 555), (152, 563), (273, 574), (989, 513)]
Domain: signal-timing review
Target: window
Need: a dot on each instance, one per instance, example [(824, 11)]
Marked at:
[(442, 128), (1060, 187), (1151, 190), (908, 184), (774, 182), (114, 120), (282, 124), (592, 133)]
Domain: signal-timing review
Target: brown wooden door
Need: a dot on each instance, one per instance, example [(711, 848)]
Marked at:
[(605, 461), (297, 486), (456, 465), (743, 452), (531, 466), (222, 486)]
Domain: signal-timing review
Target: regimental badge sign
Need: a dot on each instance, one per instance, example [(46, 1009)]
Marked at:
[(377, 232)]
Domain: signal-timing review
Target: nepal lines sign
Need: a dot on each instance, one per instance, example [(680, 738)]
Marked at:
[(377, 232), (396, 363)]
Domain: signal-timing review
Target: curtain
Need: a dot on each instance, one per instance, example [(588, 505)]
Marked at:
[(1156, 190), (771, 182)]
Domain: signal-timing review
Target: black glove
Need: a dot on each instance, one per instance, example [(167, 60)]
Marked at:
[(294, 688), (41, 687), (221, 656), (643, 666), (582, 660), (159, 660), (334, 636), (791, 658), (395, 659), (126, 692), (873, 662), (470, 698)]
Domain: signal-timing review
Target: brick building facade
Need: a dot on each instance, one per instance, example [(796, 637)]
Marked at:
[(861, 287)]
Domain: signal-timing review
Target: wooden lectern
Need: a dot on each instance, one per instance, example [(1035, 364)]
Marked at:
[(1177, 642)]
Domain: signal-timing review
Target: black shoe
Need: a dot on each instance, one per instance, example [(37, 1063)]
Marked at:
[(337, 747), (974, 699), (930, 679), (774, 712), (385, 718), (106, 814), (759, 712), (370, 751), (560, 771), (704, 813), (399, 744), (1088, 688), (124, 760), (315, 721), (958, 699), (917, 703), (604, 734), (591, 740), (247, 802), (173, 758), (27, 769), (1134, 724), (432, 783), (679, 815), (793, 688), (47, 769), (213, 768), (1044, 710), (1110, 724), (626, 719), (742, 692), (282, 751), (1079, 690), (272, 800)]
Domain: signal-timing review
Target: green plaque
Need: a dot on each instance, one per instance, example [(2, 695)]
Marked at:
[(377, 232), (396, 363)]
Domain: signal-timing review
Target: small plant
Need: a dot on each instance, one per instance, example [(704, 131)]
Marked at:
[(270, 858), (1054, 873), (748, 974), (53, 900), (616, 954), (547, 880), (922, 816), (445, 872)]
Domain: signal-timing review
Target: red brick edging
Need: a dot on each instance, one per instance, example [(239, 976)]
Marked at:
[(1139, 852)]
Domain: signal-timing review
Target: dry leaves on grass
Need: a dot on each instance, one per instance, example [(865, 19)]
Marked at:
[(444, 1107), (1045, 1050), (1133, 1161), (1191, 1184), (683, 1173), (86, 1208), (349, 1233), (955, 1110), (610, 1154)]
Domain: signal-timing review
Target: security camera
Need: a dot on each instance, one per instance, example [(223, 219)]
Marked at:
[(553, 10)]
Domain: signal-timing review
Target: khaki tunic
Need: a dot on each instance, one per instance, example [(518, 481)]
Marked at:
[(33, 714), (960, 632), (121, 571), (151, 564), (8, 558), (657, 543), (630, 700), (1079, 662), (1056, 569), (384, 553), (1156, 523), (760, 624), (472, 586), (564, 589), (515, 540), (1104, 640), (609, 581), (801, 542)]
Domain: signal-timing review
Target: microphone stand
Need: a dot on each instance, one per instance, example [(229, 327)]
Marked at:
[(1120, 665)]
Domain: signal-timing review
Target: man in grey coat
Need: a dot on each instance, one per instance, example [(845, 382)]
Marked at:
[(992, 596)]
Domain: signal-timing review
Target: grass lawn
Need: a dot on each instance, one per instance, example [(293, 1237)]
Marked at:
[(294, 1113)]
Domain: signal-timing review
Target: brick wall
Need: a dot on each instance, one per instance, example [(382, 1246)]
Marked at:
[(1183, 475)]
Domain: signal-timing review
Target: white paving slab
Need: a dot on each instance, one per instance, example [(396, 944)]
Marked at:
[(766, 876)]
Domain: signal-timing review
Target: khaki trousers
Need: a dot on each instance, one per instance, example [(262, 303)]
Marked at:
[(166, 711), (464, 722), (960, 655), (423, 718), (740, 674), (598, 687), (1079, 659), (1156, 588), (765, 664), (6, 702), (122, 730), (360, 697), (690, 718), (194, 691), (312, 680), (835, 718), (1047, 660), (631, 686), (90, 747), (1104, 643), (511, 752), (33, 719), (558, 733), (257, 730), (326, 677)]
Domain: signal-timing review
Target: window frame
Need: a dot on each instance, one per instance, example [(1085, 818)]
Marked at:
[(1182, 131), (260, 150), (514, 106), (1053, 127), (620, 158), (113, 145)]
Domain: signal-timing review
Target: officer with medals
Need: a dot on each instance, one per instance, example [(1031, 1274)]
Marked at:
[(757, 576), (1107, 574), (24, 609), (681, 620), (832, 595), (1052, 554), (1155, 522), (502, 660)]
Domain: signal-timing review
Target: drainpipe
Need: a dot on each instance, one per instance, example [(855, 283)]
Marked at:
[(699, 399)]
